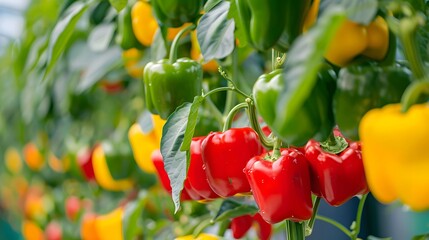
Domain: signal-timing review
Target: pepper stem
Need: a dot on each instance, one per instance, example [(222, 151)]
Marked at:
[(295, 230), (334, 144), (175, 44), (266, 142), (356, 225), (413, 92), (231, 114), (276, 148), (310, 225)]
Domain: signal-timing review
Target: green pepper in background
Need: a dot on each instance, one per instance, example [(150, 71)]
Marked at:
[(125, 36), (272, 23), (361, 88), (119, 159), (174, 13), (99, 12), (313, 120)]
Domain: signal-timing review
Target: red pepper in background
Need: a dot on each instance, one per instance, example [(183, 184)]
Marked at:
[(265, 229), (241, 225), (197, 176), (84, 159), (225, 155), (282, 189), (336, 177)]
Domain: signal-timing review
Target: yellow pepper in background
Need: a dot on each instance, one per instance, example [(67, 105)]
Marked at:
[(143, 144), (88, 229), (13, 160), (202, 236), (353, 39), (196, 55), (145, 25), (311, 17), (109, 226), (131, 59), (58, 165), (395, 154), (33, 158), (31, 231), (102, 173)]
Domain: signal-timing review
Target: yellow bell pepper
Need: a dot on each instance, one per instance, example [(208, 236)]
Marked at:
[(33, 158), (395, 154), (353, 39), (13, 160), (145, 25), (102, 173), (131, 59), (88, 230), (202, 236), (143, 144), (31, 231), (109, 226)]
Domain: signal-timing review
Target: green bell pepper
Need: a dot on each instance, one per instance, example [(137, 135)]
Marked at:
[(169, 82), (272, 23), (361, 88), (174, 13), (125, 36), (313, 120)]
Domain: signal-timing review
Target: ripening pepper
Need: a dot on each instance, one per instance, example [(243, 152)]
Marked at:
[(313, 119), (353, 39), (104, 176), (336, 177), (395, 154), (109, 226), (33, 157), (143, 144), (361, 88), (281, 187), (168, 84), (272, 23), (225, 155), (125, 37), (196, 175), (174, 13)]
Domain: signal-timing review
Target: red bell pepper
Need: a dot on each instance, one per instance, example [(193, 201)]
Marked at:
[(241, 225), (336, 177), (197, 176), (282, 189), (84, 159), (225, 155), (265, 229)]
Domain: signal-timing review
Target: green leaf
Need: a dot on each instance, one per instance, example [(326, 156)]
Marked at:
[(215, 33), (101, 36), (62, 32), (119, 4), (239, 32), (145, 121), (192, 122), (231, 209), (210, 4), (421, 237), (158, 48), (360, 11), (175, 161), (131, 217), (303, 63)]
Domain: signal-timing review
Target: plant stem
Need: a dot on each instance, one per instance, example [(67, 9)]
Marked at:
[(335, 224), (229, 95), (310, 224), (266, 142), (175, 44), (413, 92), (234, 87), (231, 114), (356, 230), (295, 230)]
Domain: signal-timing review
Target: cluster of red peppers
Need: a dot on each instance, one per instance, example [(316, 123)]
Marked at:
[(234, 162)]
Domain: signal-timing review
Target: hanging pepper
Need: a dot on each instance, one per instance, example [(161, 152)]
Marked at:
[(170, 82), (104, 176), (337, 177), (353, 39), (281, 188), (360, 89), (125, 36), (241, 225), (314, 119), (197, 176), (174, 13), (143, 144), (225, 155), (272, 24), (395, 154)]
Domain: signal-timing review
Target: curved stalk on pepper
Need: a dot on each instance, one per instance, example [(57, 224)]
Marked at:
[(175, 44), (310, 224), (267, 142)]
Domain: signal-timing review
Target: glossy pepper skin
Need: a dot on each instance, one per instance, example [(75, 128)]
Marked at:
[(125, 36), (197, 176), (168, 85), (143, 144), (395, 154), (362, 88), (314, 118), (282, 189), (336, 177), (353, 39), (174, 13), (225, 155), (271, 23)]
